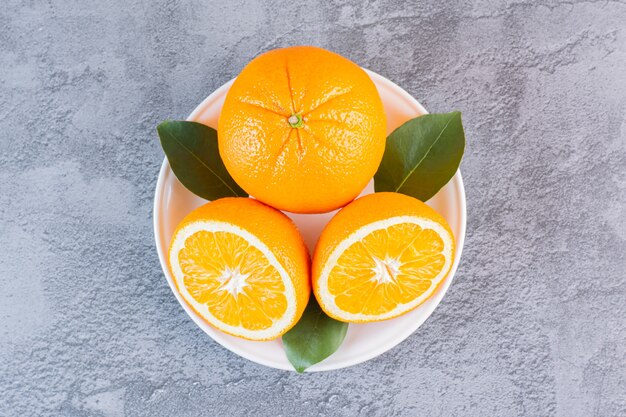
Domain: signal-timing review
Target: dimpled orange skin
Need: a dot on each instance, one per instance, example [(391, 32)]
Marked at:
[(271, 227), (361, 212), (325, 163)]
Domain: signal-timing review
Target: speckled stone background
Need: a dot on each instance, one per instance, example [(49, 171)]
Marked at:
[(535, 321)]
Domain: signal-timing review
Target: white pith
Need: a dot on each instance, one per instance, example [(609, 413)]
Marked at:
[(328, 300), (385, 270), (235, 282)]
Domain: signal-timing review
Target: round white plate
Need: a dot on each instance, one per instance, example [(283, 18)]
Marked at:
[(363, 341)]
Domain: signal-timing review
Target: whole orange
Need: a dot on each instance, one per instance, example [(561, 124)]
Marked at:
[(302, 129)]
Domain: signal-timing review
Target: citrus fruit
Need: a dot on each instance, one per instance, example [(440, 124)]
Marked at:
[(241, 266), (302, 129), (381, 256)]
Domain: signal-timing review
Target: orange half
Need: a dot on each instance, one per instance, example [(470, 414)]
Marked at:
[(233, 278), (379, 268)]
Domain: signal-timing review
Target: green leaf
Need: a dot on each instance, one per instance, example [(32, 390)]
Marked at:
[(314, 338), (422, 155), (191, 148)]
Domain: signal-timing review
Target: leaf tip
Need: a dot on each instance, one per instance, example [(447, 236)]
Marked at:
[(163, 124)]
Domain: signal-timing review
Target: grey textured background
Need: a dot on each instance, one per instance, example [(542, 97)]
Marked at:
[(535, 322)]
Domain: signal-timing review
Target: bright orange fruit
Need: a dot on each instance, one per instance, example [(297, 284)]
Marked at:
[(381, 256), (242, 266), (302, 129)]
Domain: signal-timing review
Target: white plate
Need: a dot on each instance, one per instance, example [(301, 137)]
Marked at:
[(363, 341)]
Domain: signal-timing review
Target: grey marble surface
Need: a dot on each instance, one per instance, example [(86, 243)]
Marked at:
[(534, 323)]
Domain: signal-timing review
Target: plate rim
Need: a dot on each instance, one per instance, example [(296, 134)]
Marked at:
[(215, 335)]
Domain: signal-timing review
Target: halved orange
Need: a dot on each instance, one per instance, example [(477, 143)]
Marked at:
[(242, 266), (381, 256)]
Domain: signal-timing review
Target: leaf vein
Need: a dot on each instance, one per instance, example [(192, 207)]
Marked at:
[(202, 163), (423, 157)]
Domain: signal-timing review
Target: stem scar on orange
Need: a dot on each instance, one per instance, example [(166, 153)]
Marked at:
[(302, 129)]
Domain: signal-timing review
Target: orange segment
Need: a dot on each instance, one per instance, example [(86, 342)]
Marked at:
[(224, 258), (381, 256)]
